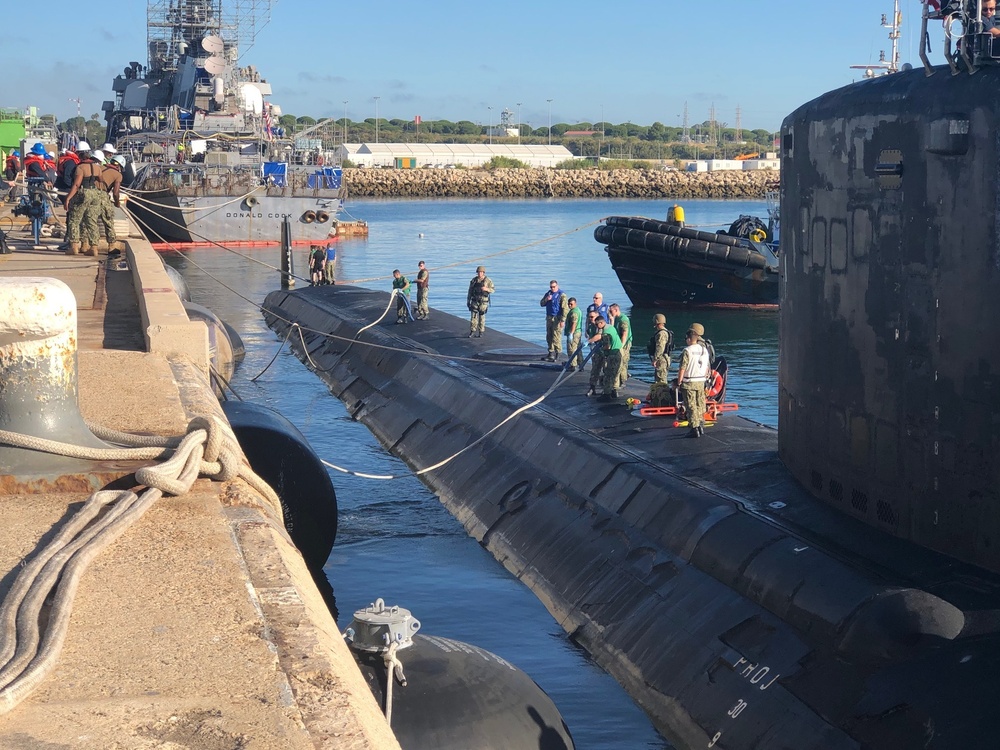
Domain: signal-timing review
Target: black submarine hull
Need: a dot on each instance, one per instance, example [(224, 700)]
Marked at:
[(660, 265), (737, 610), (890, 352)]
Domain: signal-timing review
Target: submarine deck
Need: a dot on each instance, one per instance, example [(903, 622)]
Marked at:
[(201, 626), (685, 567)]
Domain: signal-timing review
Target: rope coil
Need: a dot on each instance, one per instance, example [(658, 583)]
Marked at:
[(30, 643)]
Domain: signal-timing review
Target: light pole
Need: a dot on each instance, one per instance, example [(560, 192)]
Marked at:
[(519, 123), (345, 120), (376, 98), (604, 127), (550, 120), (490, 131)]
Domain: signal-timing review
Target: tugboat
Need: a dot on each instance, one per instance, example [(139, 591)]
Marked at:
[(664, 264), (211, 162)]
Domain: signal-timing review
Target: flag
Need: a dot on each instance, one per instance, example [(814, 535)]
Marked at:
[(416, 120)]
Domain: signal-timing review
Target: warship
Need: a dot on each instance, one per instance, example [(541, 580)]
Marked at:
[(210, 160)]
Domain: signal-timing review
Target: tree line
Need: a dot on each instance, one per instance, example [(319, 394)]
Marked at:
[(626, 141)]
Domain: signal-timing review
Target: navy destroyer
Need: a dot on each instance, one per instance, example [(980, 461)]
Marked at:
[(211, 161)]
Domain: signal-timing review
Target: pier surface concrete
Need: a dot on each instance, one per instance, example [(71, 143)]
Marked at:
[(201, 626)]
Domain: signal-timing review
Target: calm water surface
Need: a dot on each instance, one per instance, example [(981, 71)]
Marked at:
[(396, 541)]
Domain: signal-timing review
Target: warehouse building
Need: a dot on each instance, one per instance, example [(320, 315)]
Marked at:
[(441, 155)]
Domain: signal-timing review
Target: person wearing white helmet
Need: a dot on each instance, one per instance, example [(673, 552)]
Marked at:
[(86, 203), (109, 151)]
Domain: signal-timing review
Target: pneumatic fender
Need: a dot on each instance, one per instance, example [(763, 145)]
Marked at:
[(283, 458)]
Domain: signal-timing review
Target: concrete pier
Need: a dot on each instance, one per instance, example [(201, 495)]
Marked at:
[(201, 626)]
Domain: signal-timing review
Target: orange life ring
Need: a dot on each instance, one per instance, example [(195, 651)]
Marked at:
[(713, 386)]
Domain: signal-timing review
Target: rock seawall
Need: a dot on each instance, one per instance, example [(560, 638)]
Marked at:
[(554, 183)]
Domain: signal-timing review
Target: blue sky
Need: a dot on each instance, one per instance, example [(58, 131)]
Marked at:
[(630, 60)]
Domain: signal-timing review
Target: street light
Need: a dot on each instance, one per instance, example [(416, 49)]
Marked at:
[(376, 98), (490, 131), (345, 120), (519, 123), (550, 120), (604, 127)]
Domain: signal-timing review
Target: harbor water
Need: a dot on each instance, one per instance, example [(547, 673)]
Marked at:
[(395, 540)]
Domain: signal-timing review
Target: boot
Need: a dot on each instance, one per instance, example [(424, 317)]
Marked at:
[(116, 245), (90, 250), (74, 248), (693, 433)]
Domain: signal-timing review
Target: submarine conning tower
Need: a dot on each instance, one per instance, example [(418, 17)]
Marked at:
[(889, 405)]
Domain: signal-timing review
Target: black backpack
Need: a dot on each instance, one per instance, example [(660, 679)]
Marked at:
[(651, 346)]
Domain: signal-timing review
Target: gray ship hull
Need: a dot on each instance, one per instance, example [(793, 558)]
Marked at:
[(172, 217)]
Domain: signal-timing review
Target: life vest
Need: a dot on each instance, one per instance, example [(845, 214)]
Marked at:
[(35, 166), (552, 307), (698, 363)]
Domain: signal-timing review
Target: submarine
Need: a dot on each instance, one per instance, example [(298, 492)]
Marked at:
[(832, 584)]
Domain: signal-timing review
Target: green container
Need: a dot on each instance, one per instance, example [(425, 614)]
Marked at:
[(11, 129)]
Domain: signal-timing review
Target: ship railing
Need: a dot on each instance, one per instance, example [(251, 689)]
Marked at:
[(967, 47)]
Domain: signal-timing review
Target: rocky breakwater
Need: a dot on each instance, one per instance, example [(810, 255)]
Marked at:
[(554, 183)]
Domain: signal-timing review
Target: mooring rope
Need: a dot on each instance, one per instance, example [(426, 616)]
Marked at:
[(30, 644)]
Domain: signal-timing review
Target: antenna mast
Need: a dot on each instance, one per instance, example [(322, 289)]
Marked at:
[(892, 64)]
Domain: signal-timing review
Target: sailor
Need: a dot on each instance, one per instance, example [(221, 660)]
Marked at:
[(108, 150), (596, 353), (84, 203), (599, 306), (423, 284), (317, 259), (67, 160), (401, 285), (112, 178), (330, 269), (624, 327), (13, 166), (69, 167), (611, 348), (37, 166), (574, 335), (694, 370), (554, 302), (658, 348), (478, 301)]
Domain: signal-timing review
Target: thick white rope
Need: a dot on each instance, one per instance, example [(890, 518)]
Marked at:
[(29, 649)]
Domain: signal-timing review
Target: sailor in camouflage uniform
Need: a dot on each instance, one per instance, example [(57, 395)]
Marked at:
[(478, 301), (85, 204), (695, 367)]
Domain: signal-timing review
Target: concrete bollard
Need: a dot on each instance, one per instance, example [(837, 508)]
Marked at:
[(38, 385)]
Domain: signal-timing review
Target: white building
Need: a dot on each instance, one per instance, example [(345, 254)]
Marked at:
[(448, 154)]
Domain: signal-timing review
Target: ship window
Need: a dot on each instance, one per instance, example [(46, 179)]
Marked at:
[(838, 245), (817, 240), (861, 239), (786, 144)]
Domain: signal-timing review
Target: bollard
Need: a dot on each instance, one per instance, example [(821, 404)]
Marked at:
[(38, 386)]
